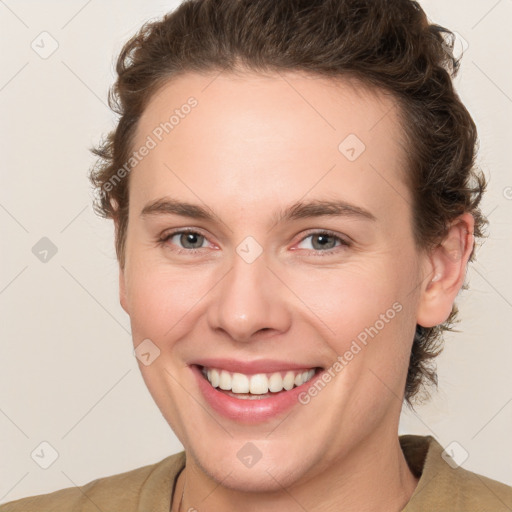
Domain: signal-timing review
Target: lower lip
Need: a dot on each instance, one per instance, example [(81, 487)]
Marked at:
[(250, 411)]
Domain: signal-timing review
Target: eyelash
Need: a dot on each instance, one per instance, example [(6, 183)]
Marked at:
[(344, 244)]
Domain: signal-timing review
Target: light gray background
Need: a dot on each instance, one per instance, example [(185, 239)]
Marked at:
[(68, 375)]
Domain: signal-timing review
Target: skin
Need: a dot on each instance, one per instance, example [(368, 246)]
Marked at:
[(254, 145)]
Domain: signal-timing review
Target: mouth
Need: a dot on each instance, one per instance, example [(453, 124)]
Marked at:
[(256, 386), (253, 392)]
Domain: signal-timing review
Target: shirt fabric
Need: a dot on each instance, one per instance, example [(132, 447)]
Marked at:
[(441, 487)]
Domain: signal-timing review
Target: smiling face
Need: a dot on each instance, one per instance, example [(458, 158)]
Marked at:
[(300, 254)]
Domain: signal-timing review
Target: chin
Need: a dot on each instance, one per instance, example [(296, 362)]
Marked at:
[(258, 479), (269, 473)]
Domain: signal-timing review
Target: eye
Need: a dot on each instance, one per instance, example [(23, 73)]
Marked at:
[(323, 241), (190, 241)]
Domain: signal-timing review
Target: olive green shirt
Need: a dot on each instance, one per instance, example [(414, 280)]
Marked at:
[(441, 488)]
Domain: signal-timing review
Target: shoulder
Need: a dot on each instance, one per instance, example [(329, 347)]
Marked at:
[(446, 486), (124, 491)]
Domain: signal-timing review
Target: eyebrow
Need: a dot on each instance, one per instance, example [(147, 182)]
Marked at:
[(298, 210)]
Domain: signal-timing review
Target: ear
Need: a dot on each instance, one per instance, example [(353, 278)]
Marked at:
[(446, 269), (122, 291), (122, 285)]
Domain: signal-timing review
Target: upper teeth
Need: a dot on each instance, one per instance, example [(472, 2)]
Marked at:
[(257, 384)]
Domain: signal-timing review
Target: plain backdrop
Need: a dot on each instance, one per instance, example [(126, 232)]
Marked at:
[(68, 374)]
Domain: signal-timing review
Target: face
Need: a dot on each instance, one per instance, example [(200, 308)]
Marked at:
[(293, 259)]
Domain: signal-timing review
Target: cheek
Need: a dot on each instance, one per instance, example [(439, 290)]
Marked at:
[(162, 299), (346, 299)]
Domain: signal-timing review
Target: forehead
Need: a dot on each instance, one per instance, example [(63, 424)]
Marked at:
[(244, 136)]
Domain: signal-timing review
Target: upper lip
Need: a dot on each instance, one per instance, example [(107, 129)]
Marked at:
[(252, 367)]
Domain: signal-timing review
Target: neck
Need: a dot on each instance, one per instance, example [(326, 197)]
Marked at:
[(373, 476)]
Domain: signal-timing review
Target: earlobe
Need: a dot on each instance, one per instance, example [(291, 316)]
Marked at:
[(445, 272)]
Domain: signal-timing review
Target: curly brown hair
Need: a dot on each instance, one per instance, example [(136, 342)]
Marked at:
[(386, 44)]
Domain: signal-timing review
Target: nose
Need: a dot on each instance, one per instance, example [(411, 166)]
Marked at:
[(250, 302)]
